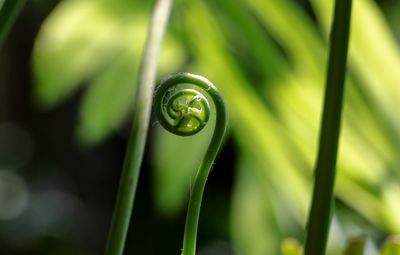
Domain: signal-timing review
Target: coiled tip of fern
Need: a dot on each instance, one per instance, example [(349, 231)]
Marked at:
[(182, 111)]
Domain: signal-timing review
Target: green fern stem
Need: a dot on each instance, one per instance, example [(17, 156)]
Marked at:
[(184, 112), (137, 139), (325, 172)]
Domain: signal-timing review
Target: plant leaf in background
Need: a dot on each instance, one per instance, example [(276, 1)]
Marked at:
[(393, 15), (115, 82), (391, 246), (92, 42), (360, 246), (291, 246), (9, 11), (252, 206)]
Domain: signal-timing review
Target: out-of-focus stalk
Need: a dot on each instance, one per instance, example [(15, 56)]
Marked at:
[(9, 11), (137, 139), (325, 172)]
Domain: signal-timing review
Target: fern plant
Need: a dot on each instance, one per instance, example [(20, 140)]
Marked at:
[(185, 112), (261, 136)]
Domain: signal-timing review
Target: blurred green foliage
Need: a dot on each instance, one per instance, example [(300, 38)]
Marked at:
[(268, 59), (391, 246), (290, 246), (9, 11), (97, 42), (360, 246)]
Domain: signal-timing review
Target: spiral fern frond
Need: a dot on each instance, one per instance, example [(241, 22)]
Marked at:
[(185, 112)]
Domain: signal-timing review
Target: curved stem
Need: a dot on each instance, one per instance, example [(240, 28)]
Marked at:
[(321, 208), (192, 217), (137, 139)]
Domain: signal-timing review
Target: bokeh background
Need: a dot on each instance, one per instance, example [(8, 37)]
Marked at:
[(67, 83)]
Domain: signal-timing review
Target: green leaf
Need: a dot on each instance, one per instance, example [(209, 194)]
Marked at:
[(96, 43), (278, 18), (291, 246), (108, 100), (391, 246), (255, 227), (75, 42), (360, 246)]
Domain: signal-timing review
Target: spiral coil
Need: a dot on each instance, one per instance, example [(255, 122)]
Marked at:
[(183, 111)]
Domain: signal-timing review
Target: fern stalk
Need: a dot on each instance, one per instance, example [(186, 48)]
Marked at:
[(9, 11), (136, 144), (325, 172), (185, 112)]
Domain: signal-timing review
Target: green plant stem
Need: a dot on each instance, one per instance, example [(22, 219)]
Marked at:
[(193, 212), (137, 139), (9, 10), (325, 172)]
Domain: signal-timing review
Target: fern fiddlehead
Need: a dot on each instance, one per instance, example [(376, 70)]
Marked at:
[(185, 112)]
